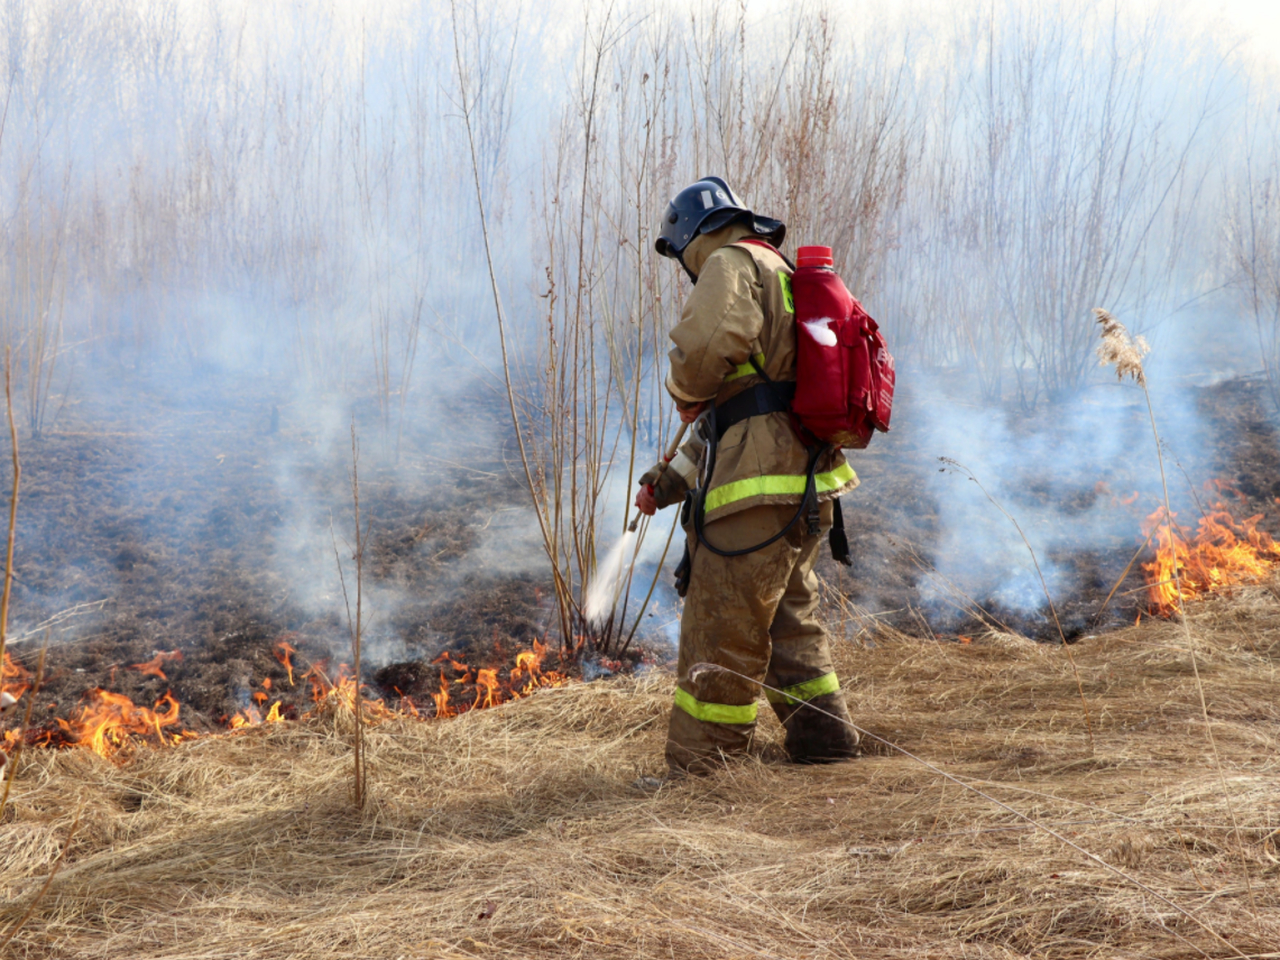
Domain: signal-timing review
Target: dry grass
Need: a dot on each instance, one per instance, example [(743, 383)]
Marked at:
[(247, 846)]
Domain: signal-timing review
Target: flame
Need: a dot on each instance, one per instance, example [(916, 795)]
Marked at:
[(524, 678), (443, 709), (152, 667), (1225, 552), (248, 717), (252, 716), (14, 678), (111, 723), (284, 652)]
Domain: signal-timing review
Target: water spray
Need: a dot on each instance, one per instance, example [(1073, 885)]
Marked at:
[(609, 575)]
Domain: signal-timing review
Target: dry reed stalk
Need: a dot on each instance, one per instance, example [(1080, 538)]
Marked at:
[(1120, 579), (358, 772), (1044, 586), (565, 603), (13, 503), (1126, 354), (10, 769)]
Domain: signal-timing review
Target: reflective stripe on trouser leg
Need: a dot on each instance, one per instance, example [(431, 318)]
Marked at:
[(800, 665), (715, 712), (727, 614), (806, 690)]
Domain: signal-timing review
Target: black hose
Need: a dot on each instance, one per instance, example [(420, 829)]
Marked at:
[(808, 503)]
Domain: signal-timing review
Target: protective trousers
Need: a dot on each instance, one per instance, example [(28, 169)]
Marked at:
[(754, 614)]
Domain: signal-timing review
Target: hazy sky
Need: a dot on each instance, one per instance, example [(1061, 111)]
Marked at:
[(1258, 21), (1250, 28)]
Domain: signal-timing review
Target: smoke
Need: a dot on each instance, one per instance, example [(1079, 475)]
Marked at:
[(232, 232)]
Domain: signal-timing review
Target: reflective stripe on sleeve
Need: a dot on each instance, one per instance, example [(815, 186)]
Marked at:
[(777, 485), (714, 712), (788, 301), (746, 369), (827, 683)]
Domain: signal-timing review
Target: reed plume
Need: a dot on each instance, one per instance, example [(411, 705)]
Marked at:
[(1120, 350)]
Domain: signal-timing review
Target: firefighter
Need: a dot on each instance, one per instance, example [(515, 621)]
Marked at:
[(757, 501)]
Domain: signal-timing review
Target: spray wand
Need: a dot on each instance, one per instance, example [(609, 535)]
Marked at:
[(662, 468), (602, 592)]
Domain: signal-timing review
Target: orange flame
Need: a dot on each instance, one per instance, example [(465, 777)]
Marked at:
[(341, 692), (252, 717), (248, 717), (443, 709), (110, 723), (14, 678), (284, 653), (153, 667), (1225, 552), (524, 678)]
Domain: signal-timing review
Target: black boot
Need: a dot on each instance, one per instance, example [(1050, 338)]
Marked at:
[(814, 737)]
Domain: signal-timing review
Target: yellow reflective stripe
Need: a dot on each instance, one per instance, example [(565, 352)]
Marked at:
[(788, 301), (776, 485), (714, 712), (746, 369), (818, 686)]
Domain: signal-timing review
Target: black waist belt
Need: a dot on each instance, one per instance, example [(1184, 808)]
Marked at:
[(763, 398)]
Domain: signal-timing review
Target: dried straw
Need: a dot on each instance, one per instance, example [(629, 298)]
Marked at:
[(247, 845)]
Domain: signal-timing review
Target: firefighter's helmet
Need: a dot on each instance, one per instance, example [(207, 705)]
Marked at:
[(705, 206)]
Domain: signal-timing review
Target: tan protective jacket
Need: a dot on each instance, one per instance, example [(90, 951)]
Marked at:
[(740, 308)]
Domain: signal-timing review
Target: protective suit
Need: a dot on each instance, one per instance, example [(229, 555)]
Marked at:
[(754, 613)]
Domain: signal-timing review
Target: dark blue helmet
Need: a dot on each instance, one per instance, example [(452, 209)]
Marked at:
[(703, 207)]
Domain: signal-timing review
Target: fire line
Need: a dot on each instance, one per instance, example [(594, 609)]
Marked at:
[(113, 726), (1224, 552)]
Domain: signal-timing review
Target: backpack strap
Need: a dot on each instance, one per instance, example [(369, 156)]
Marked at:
[(757, 242), (771, 397)]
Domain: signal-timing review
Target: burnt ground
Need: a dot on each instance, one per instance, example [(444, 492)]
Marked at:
[(205, 528), (150, 524)]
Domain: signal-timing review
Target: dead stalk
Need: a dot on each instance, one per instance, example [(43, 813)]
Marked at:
[(358, 771), (466, 106), (1120, 579), (13, 503)]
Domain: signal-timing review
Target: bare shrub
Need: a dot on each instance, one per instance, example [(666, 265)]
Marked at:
[(1252, 234), (1062, 168)]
